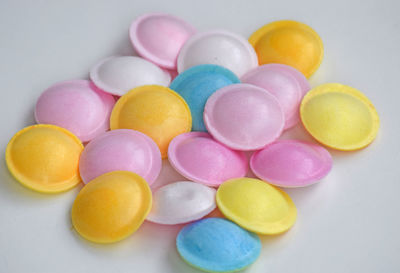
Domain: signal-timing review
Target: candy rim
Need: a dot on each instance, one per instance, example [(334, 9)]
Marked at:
[(350, 91), (142, 50), (259, 33), (66, 185)]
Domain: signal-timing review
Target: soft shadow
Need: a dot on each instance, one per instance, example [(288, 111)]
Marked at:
[(167, 175)]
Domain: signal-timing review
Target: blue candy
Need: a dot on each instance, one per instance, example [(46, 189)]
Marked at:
[(217, 245), (198, 83)]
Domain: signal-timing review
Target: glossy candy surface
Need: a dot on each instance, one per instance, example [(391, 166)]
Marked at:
[(291, 163), (217, 245), (196, 85), (111, 207), (78, 106), (181, 202), (121, 150), (44, 158), (198, 157), (244, 117), (339, 116)]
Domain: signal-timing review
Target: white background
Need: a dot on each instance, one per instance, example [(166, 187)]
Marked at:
[(347, 223)]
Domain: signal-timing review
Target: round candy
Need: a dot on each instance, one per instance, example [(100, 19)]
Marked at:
[(181, 202), (256, 206), (291, 163), (118, 75), (158, 37), (243, 117), (289, 42), (121, 150), (111, 207), (44, 158), (154, 110), (217, 245), (196, 84), (219, 47), (286, 83), (339, 116), (78, 106), (198, 157)]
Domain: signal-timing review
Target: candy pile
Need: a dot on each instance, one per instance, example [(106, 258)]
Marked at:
[(234, 95)]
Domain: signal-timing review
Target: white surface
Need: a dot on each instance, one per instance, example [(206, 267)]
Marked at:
[(347, 223)]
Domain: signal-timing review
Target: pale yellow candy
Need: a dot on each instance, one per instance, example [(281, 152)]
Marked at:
[(45, 158), (256, 205), (154, 110), (339, 116), (111, 207)]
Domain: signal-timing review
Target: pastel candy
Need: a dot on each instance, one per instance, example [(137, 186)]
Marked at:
[(244, 117), (78, 106), (181, 202), (159, 37), (196, 85), (198, 157), (287, 84), (118, 75), (291, 163), (217, 245), (121, 150), (218, 47)]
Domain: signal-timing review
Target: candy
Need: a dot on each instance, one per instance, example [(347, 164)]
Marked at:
[(121, 150), (197, 83), (78, 106), (159, 37), (243, 117), (198, 157), (44, 158), (339, 116), (154, 110), (289, 42), (111, 207), (291, 163), (256, 206), (181, 202), (118, 75), (286, 83), (217, 245), (218, 47)]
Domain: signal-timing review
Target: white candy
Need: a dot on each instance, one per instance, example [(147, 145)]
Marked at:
[(218, 47), (118, 75), (181, 202)]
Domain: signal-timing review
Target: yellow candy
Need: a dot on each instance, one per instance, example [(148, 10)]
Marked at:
[(289, 42), (45, 158), (339, 116), (256, 205), (111, 207), (154, 110)]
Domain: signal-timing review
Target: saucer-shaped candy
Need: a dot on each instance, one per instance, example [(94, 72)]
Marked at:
[(181, 202), (111, 207), (218, 47), (291, 163), (78, 106), (121, 150), (154, 110), (244, 117), (158, 37), (339, 116), (198, 157), (118, 75), (287, 84), (289, 42), (217, 245), (44, 158), (256, 205), (196, 84)]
